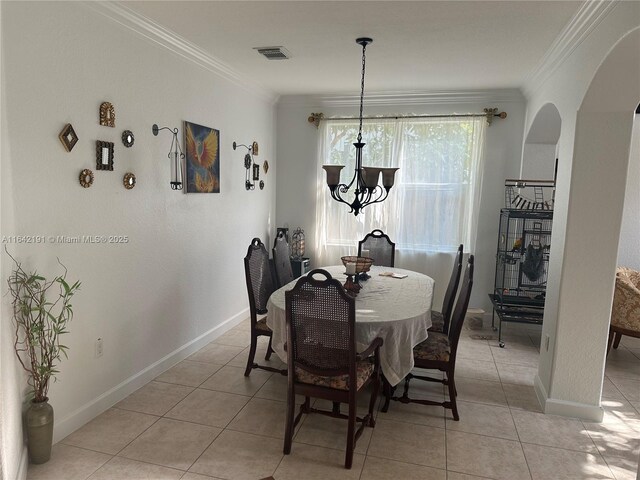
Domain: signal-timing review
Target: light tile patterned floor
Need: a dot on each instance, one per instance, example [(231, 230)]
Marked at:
[(203, 419)]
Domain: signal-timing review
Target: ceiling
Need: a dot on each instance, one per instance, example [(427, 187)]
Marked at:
[(418, 46)]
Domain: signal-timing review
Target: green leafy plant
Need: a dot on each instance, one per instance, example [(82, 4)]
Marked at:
[(41, 312)]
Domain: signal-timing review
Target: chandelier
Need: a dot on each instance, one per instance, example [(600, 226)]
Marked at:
[(365, 179)]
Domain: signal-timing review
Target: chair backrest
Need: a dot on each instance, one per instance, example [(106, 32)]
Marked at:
[(380, 246), (459, 312), (258, 275), (282, 260), (321, 326), (452, 288)]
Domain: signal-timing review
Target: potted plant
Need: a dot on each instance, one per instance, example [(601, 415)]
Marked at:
[(41, 311)]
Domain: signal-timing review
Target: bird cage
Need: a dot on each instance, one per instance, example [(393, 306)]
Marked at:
[(297, 244)]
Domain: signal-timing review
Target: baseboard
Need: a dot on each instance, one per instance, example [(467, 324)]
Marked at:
[(554, 406), (92, 409), (24, 463)]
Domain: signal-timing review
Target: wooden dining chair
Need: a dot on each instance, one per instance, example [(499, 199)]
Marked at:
[(257, 269), (380, 247), (282, 260), (438, 352), (322, 358), (440, 320)]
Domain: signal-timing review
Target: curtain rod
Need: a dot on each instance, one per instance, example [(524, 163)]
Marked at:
[(489, 113)]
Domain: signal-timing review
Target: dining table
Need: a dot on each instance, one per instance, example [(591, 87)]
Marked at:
[(398, 310)]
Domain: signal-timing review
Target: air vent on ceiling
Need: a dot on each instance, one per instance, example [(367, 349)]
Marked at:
[(273, 53)]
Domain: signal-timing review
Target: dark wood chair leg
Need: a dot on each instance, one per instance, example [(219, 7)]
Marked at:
[(269, 350), (288, 430), (612, 335), (616, 342), (387, 391), (252, 354), (372, 402), (452, 396), (351, 430)]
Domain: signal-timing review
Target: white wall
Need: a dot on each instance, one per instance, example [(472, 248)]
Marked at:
[(538, 161), (628, 254), (180, 275), (570, 373), (297, 163)]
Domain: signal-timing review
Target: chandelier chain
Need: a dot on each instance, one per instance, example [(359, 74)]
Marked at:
[(364, 48)]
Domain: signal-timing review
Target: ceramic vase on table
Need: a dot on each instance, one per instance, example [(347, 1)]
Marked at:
[(40, 431)]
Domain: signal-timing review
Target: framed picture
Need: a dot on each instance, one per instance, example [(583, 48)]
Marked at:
[(104, 155), (202, 159)]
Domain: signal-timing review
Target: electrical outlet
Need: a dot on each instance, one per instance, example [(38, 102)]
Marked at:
[(546, 342), (99, 347)]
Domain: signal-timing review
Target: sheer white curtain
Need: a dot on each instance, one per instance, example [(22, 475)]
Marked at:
[(433, 206)]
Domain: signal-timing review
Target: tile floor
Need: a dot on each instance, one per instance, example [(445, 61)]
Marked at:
[(203, 419)]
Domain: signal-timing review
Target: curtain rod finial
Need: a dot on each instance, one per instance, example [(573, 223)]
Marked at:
[(315, 118)]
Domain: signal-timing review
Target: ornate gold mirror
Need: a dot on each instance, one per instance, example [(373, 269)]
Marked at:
[(86, 178), (107, 115), (129, 180)]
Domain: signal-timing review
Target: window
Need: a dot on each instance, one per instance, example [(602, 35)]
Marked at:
[(431, 206)]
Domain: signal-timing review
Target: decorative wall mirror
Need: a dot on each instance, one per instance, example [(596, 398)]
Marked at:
[(256, 172), (128, 138), (261, 184), (86, 178), (129, 180), (254, 149), (104, 155), (107, 115), (68, 137), (265, 165)]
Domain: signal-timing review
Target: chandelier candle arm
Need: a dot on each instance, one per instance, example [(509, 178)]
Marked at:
[(365, 180)]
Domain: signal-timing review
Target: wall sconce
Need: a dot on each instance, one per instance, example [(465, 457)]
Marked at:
[(175, 155)]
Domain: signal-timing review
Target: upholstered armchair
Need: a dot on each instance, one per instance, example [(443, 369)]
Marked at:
[(625, 313)]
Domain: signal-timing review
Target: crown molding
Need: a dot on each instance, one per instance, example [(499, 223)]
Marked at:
[(404, 98), (173, 42), (586, 19)]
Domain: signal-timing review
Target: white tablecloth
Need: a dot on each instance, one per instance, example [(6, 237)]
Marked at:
[(397, 310)]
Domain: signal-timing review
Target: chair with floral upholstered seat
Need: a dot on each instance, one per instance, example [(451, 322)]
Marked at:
[(625, 312), (438, 352), (440, 320), (322, 358), (380, 247), (259, 277)]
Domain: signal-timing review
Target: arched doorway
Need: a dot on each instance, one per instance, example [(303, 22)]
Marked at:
[(541, 144), (573, 383)]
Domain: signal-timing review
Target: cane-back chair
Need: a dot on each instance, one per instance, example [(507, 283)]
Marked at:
[(282, 260), (438, 352), (440, 320), (380, 246), (322, 358), (257, 269)]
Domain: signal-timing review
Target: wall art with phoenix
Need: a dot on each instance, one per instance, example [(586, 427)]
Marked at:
[(202, 158)]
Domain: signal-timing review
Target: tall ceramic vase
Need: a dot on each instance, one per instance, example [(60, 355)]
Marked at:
[(40, 431)]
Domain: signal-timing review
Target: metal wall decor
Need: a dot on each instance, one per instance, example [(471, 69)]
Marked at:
[(175, 155), (365, 180), (107, 115), (104, 155), (128, 138), (68, 137), (86, 178), (129, 180), (252, 169), (297, 244)]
